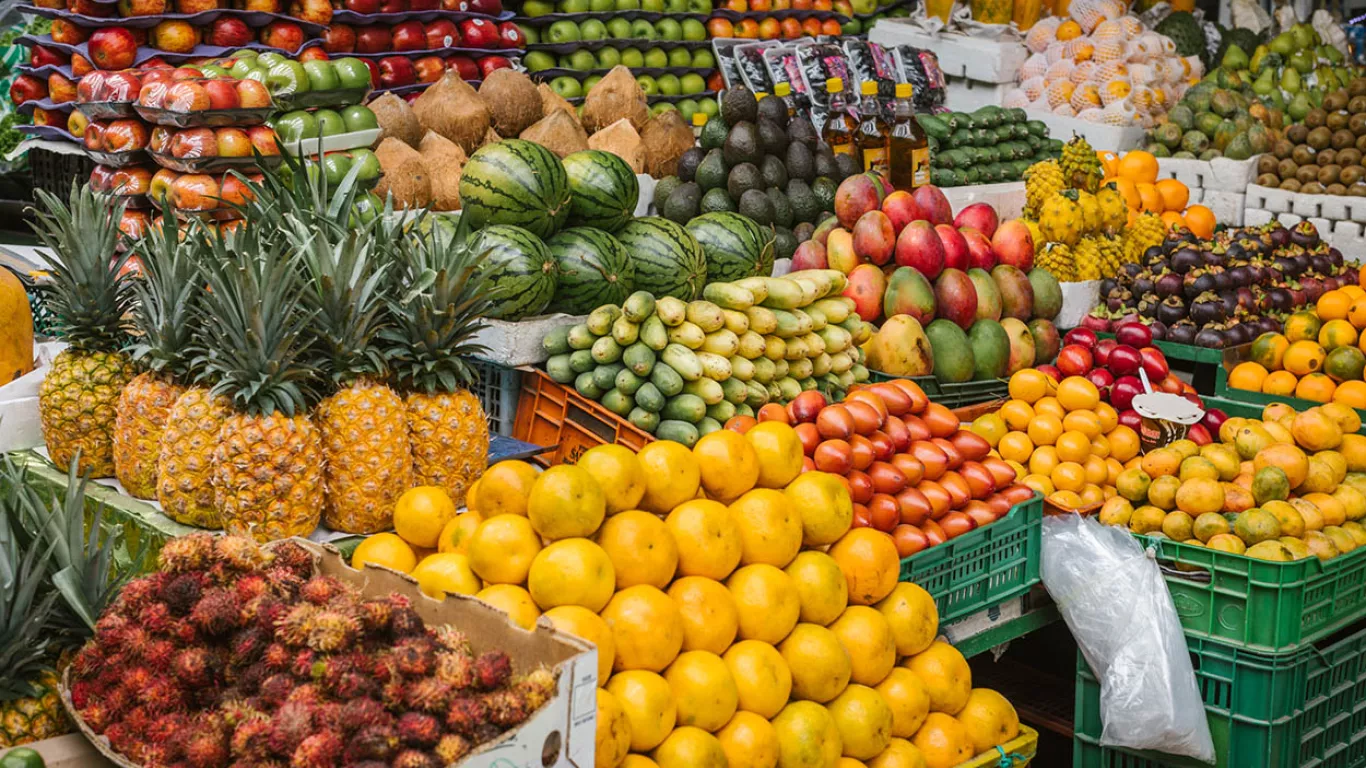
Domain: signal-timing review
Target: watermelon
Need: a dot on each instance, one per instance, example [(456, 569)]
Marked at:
[(522, 271), (603, 190), (595, 269), (736, 246), (515, 182), (669, 260)]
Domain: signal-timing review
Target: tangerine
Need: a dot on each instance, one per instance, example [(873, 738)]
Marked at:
[(1248, 375), (1304, 357), (1280, 383), (1174, 194), (1137, 166), (1200, 221), (1317, 387), (1333, 305)]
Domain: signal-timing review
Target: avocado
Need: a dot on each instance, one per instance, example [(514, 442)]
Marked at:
[(804, 204), (772, 138), (773, 108), (742, 145), (738, 105), (823, 189), (717, 200), (782, 207), (714, 133), (742, 179), (774, 172), (847, 166), (663, 189), (784, 243), (712, 171), (825, 163), (687, 164), (682, 204), (801, 131), (756, 205), (803, 231), (800, 162)]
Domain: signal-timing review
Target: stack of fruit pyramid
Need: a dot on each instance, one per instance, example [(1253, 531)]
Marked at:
[(741, 615), (1082, 229)]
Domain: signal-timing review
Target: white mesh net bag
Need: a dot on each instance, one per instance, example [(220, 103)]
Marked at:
[(1082, 72), (1059, 71), (1111, 50), (1118, 113), (1110, 70), (1015, 98), (1195, 68), (1107, 30), (1091, 115), (1131, 25), (1055, 52), (1034, 88), (1065, 110), (1143, 97), (1060, 92), (1080, 49), (1168, 47), (1115, 90), (1141, 74), (1090, 13), (1034, 66), (1085, 96), (1042, 33)]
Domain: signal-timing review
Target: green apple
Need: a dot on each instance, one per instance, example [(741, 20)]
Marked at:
[(358, 117), (536, 61), (592, 29), (668, 85), (619, 28), (335, 166), (567, 87), (563, 32), (709, 107), (322, 76), (330, 122), (532, 34), (627, 5), (602, 6), (700, 6), (656, 57), (608, 58), (686, 108), (583, 61), (851, 27), (562, 61), (270, 59), (680, 57), (696, 30), (692, 83), (702, 59), (676, 6), (588, 84), (863, 7), (287, 78), (352, 72), (642, 30), (573, 6), (662, 107), (213, 70), (668, 29), (653, 6), (296, 125), (533, 8), (241, 67), (368, 164), (632, 57), (648, 84)]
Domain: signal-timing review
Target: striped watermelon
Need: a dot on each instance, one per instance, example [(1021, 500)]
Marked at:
[(523, 273), (515, 182), (669, 260), (735, 245), (603, 190), (594, 270)]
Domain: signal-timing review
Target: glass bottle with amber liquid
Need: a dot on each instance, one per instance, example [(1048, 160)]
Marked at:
[(909, 148), (840, 125), (873, 132)]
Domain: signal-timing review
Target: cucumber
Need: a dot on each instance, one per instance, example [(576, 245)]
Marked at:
[(808, 384), (714, 367), (847, 379), (639, 358), (559, 369), (736, 322), (743, 409), (628, 382), (654, 334), (728, 296), (763, 370), (643, 420), (775, 393), (706, 315), (741, 368), (584, 386), (682, 359), (800, 369), (666, 380), (687, 334), (600, 320), (677, 431), (605, 376), (606, 350), (625, 331), (684, 407), (788, 324), (721, 342), (758, 286), (859, 372), (671, 311), (863, 333), (751, 345), (556, 341), (775, 348), (582, 361), (783, 293), (854, 325), (762, 320), (707, 389), (707, 426), (734, 391), (618, 402), (758, 395), (638, 306), (650, 398), (579, 337)]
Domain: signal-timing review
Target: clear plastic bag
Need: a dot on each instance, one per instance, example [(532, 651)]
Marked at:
[(1115, 602)]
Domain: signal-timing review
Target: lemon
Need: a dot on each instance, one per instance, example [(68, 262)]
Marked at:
[(455, 537), (446, 572), (421, 513), (514, 601), (384, 549)]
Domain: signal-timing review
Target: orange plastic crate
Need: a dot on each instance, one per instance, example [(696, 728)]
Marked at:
[(550, 414)]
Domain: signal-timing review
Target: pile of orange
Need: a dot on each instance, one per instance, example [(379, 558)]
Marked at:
[(770, 28), (1320, 356), (1135, 175)]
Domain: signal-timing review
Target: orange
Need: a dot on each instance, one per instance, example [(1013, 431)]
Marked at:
[(865, 724), (761, 677), (1129, 191), (1174, 194), (1302, 326), (942, 740), (1351, 393), (1247, 376), (1173, 220), (641, 548), (1317, 387), (1050, 406), (647, 630), (1085, 422), (1096, 470), (1200, 221), (1268, 349), (672, 475), (708, 539), (1356, 311), (613, 730), (1109, 162), (649, 705), (421, 513), (1123, 443), (1304, 357), (822, 502), (707, 610), (384, 549), (819, 664), (514, 601), (1043, 461), (807, 735), (990, 719), (505, 487), (870, 564), (1280, 383), (618, 473), (770, 531), (990, 426), (1076, 393), (583, 623), (1029, 385), (571, 572), (1073, 446), (1100, 446), (749, 739), (766, 601), (1068, 476), (728, 463), (1334, 305), (1045, 429), (1150, 201), (1017, 414), (1068, 30), (1137, 166), (1107, 416), (821, 587), (778, 450), (1337, 333), (1355, 291), (1015, 446), (502, 548), (703, 689), (946, 675), (865, 634), (566, 502)]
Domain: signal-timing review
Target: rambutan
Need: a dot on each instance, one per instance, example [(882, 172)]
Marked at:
[(327, 716), (391, 693), (206, 746), (275, 690), (349, 685), (88, 662), (118, 699), (302, 665), (412, 758), (109, 629), (289, 726), (97, 715), (415, 656), (293, 557), (162, 696), (159, 653), (451, 639), (359, 713), (427, 695), (308, 693), (182, 592), (492, 670), (373, 742), (375, 615), (248, 645), (139, 593), (404, 622), (293, 628), (418, 729), (267, 612), (249, 739), (187, 553), (366, 764), (236, 710), (168, 729), (506, 708), (332, 631), (195, 667), (451, 748), (134, 641), (135, 678), (320, 750), (240, 552), (138, 719), (155, 618), (120, 736), (537, 688), (465, 714), (284, 582), (217, 612), (277, 657), (81, 692), (319, 590), (485, 732), (249, 680), (184, 632)]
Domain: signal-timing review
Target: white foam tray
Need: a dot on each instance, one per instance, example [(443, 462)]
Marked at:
[(966, 95), (334, 143), (1078, 299), (1341, 220), (515, 344), (1228, 207), (1007, 198), (1102, 137), (989, 61)]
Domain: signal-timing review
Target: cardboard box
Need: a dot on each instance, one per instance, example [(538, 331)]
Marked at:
[(561, 734)]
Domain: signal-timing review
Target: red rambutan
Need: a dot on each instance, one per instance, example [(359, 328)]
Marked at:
[(159, 654), (293, 557), (455, 668), (248, 645), (451, 748), (194, 667), (289, 726), (155, 755), (392, 694), (249, 739), (308, 693), (120, 736), (373, 742), (451, 639), (275, 690), (136, 677), (415, 656), (427, 695), (293, 628), (485, 732), (135, 641), (332, 631), (359, 713), (319, 590), (216, 613), (206, 747), (277, 657), (412, 758), (492, 670), (251, 586), (465, 714), (284, 582), (302, 665), (139, 593), (375, 614), (81, 692), (89, 661), (138, 719), (269, 612), (187, 553), (404, 622), (181, 592), (97, 715), (327, 716), (240, 552), (349, 685), (162, 696), (155, 618), (168, 729), (184, 632), (537, 688), (506, 708), (418, 729), (320, 750)]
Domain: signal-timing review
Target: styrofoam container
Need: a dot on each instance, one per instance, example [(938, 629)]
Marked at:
[(967, 95), (1228, 207), (1078, 299), (1339, 218), (20, 427), (1220, 174), (988, 61), (1115, 138), (514, 344), (647, 193), (1008, 198), (334, 143)]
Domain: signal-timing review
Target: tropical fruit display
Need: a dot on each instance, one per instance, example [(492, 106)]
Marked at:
[(989, 145), (1223, 291), (1287, 486), (1322, 153), (1134, 174), (1317, 356)]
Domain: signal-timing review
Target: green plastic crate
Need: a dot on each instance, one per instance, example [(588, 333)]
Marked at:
[(983, 567), (1302, 710), (953, 395)]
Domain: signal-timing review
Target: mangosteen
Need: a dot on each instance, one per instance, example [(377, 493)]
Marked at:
[(1321, 263), (1241, 276), (1143, 283), (1281, 299), (1128, 316), (1131, 270), (1207, 308), (1210, 338), (1305, 234), (1230, 301), (1169, 284), (1246, 298), (1171, 310), (1118, 299), (1182, 332), (1108, 286), (1147, 306), (1216, 256), (1298, 296), (1335, 256), (1349, 276), (1159, 330), (1313, 288), (1154, 254), (1196, 283), (1186, 259), (1271, 324), (1331, 284), (1222, 282)]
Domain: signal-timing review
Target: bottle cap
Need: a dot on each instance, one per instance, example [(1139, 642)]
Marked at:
[(782, 90), (759, 96), (869, 88), (699, 119), (903, 90), (834, 85)]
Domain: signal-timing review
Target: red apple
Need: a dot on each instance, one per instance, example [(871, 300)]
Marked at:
[(136, 180), (113, 48), (92, 8), (229, 32), (442, 33), (27, 88), (510, 35), (361, 6), (313, 53), (408, 36), (395, 71), (373, 40), (464, 66), (489, 7), (142, 7), (424, 5), (194, 143), (56, 5), (411, 96), (94, 137), (222, 94), (234, 190), (76, 123), (126, 135), (120, 86), (197, 6), (393, 6), (186, 73), (374, 72), (46, 117), (175, 36), (186, 96), (285, 35), (43, 55), (429, 69), (479, 33), (66, 33), (102, 178), (161, 139), (263, 139), (160, 186), (263, 6), (90, 87), (153, 94), (134, 225), (195, 192), (60, 88), (339, 38), (80, 65), (139, 35), (252, 94), (490, 63)]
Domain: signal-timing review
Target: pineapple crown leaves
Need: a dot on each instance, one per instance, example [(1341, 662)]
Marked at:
[(256, 341), (24, 612), (167, 292), (88, 294), (437, 309)]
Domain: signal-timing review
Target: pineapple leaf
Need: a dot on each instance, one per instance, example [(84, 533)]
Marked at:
[(24, 614), (167, 292)]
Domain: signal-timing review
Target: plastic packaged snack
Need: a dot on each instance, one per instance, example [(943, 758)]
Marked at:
[(749, 59), (205, 150), (104, 95), (194, 102), (818, 63), (870, 61), (724, 49), (921, 69)]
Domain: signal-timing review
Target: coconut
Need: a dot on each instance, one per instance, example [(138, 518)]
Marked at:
[(558, 132), (453, 109), (551, 101), (616, 97), (665, 138), (512, 99), (445, 161), (621, 139), (405, 174), (396, 119), (490, 137)]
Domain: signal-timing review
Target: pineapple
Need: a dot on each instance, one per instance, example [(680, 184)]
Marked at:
[(1062, 218), (1043, 180), (162, 315), (89, 296), (1080, 166), (1088, 257), (185, 458), (431, 338), (268, 462), (1146, 232)]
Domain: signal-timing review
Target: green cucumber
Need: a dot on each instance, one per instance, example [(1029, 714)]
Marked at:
[(618, 402), (600, 320), (654, 334), (606, 350), (667, 380), (728, 296), (671, 311), (584, 386), (605, 376), (628, 382), (580, 337), (709, 390)]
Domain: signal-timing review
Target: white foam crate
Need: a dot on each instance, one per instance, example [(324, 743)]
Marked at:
[(1008, 198), (1220, 174), (966, 95), (1228, 207), (1078, 299), (1115, 138), (987, 61), (1339, 218)]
